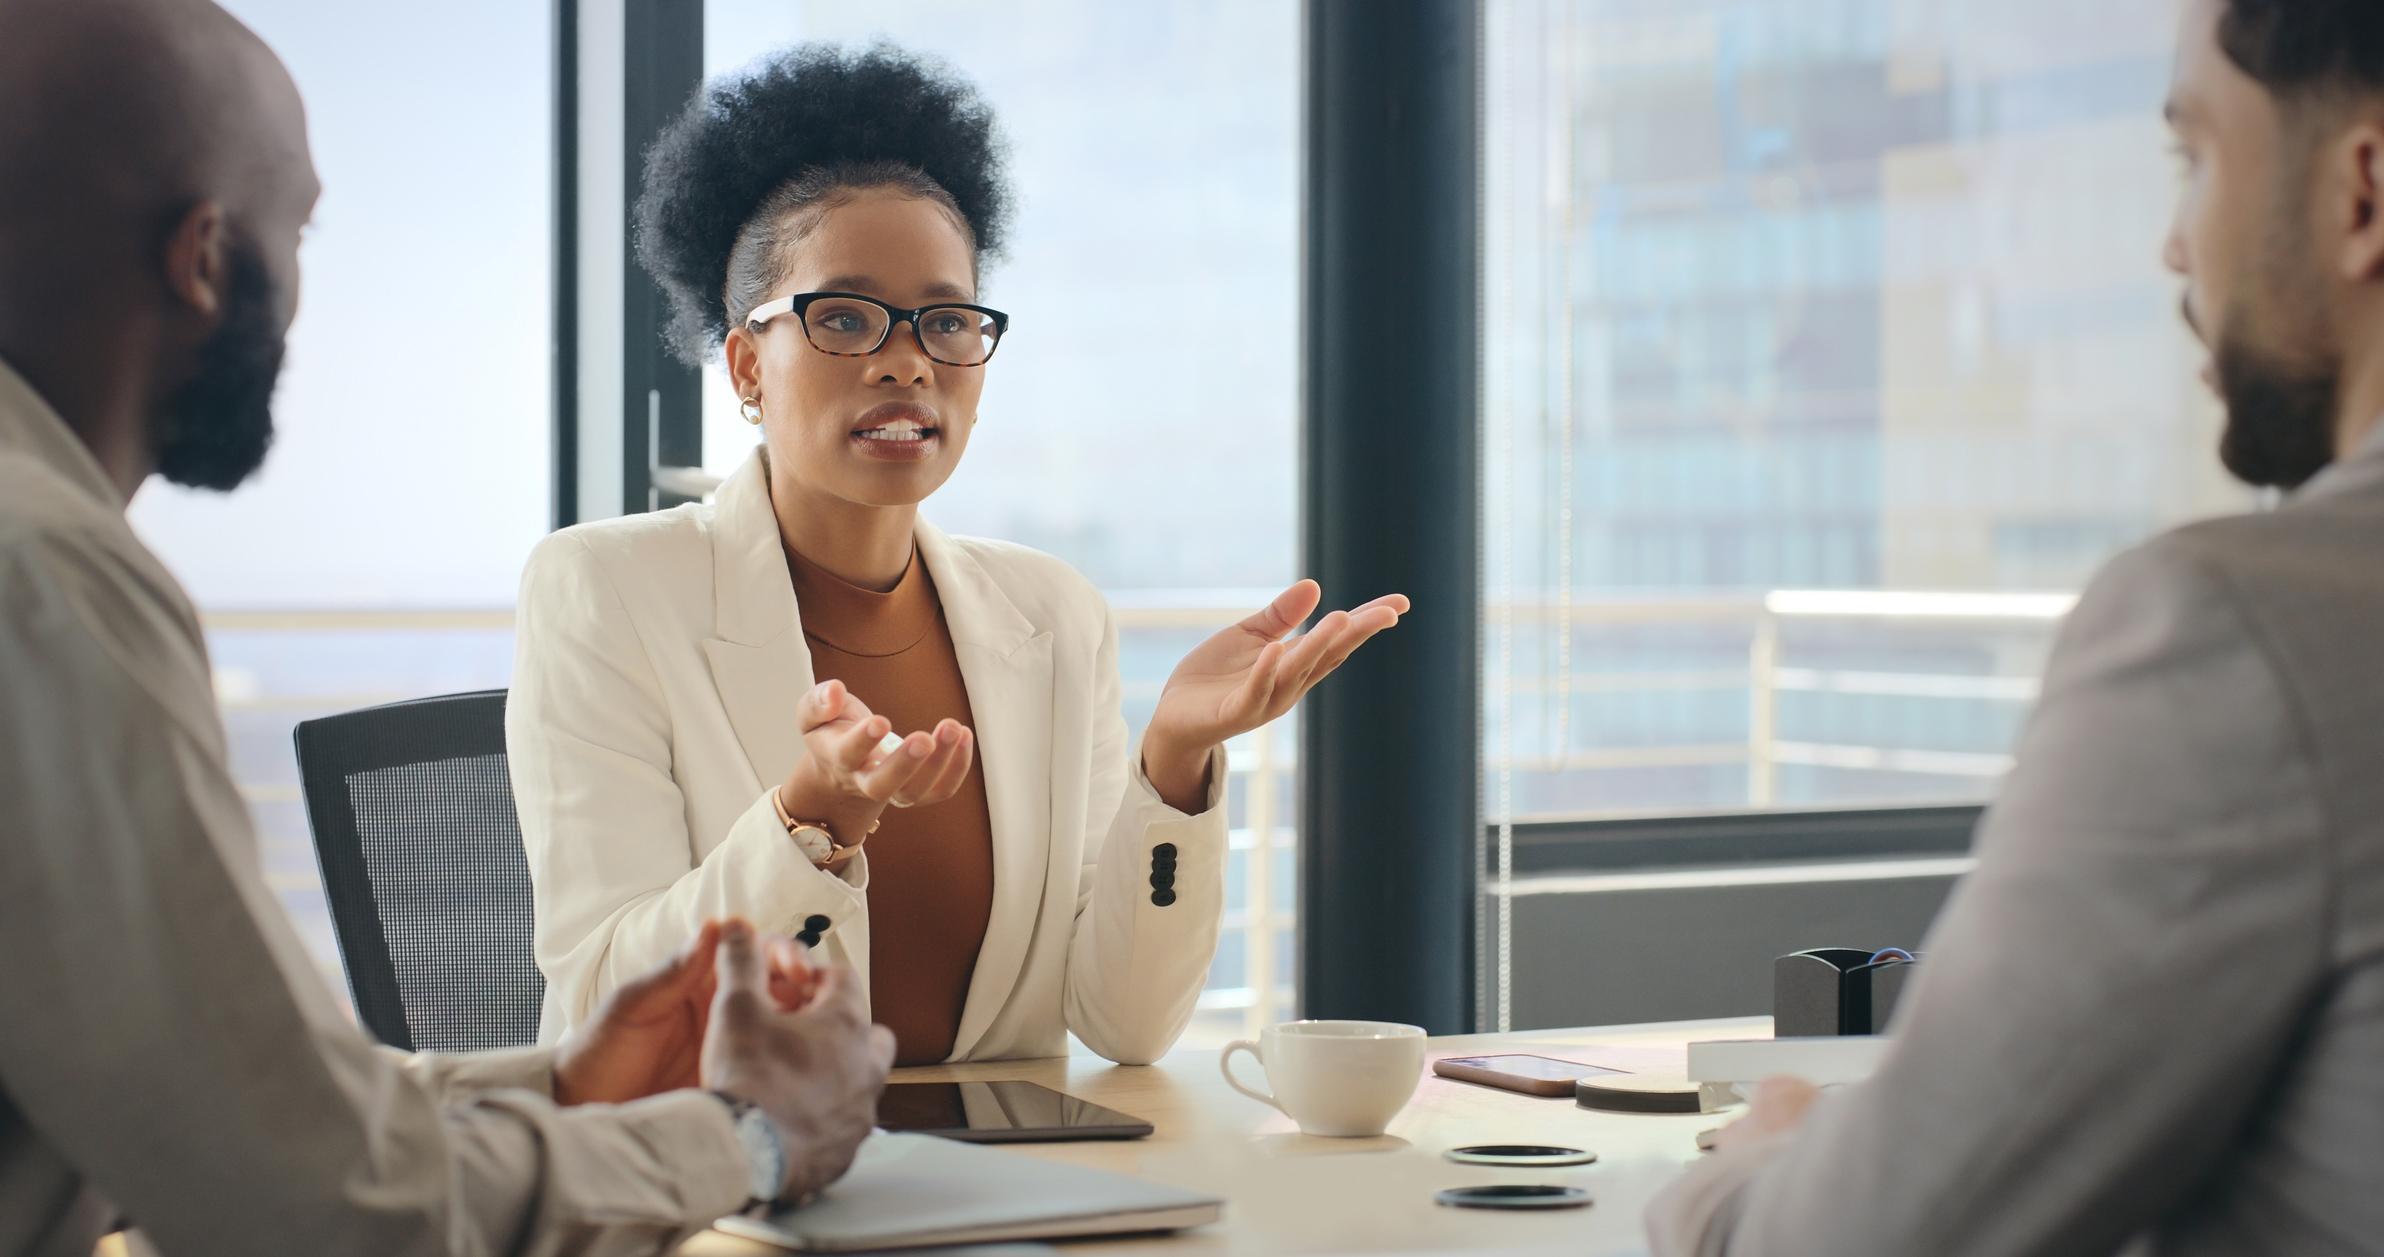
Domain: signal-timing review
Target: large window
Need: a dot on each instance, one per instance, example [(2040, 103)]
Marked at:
[(1828, 353), (376, 556), (1155, 154), (1828, 338)]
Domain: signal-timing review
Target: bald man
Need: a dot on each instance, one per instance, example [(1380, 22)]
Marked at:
[(167, 1052)]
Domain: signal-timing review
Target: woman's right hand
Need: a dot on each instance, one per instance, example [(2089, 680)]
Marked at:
[(846, 778)]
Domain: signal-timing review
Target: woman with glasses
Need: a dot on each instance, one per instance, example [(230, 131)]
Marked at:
[(802, 704)]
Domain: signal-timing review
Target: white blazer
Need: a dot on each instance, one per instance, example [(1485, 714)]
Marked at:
[(659, 661)]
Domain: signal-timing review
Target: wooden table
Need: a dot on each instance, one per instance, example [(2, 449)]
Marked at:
[(1288, 1193)]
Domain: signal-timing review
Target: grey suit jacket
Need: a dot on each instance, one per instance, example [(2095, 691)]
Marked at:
[(167, 1051), (2155, 1011)]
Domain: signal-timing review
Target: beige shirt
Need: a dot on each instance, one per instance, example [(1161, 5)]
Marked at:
[(167, 1052), (2155, 1013)]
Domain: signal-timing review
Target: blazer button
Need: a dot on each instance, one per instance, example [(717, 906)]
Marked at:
[(1165, 850), (1164, 879), (1163, 898), (816, 924), (808, 939)]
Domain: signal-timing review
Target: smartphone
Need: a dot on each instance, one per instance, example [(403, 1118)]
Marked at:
[(1531, 1075)]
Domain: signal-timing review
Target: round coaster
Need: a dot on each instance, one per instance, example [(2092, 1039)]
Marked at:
[(1513, 1196), (1526, 1155)]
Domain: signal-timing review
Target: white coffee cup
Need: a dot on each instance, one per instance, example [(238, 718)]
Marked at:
[(1342, 1078)]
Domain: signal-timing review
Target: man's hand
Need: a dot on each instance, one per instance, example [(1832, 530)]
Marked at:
[(647, 1036), (1779, 1106), (816, 1070), (794, 980)]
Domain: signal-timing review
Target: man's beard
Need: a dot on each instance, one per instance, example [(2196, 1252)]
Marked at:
[(2280, 414), (2280, 401), (214, 431)]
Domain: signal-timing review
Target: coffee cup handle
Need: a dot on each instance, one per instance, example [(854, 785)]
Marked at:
[(1225, 1067)]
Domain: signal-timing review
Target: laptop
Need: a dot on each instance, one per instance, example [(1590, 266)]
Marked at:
[(918, 1191)]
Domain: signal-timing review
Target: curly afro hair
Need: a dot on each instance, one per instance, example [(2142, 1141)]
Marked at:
[(757, 156)]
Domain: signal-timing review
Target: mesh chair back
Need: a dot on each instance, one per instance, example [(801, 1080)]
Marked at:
[(412, 811)]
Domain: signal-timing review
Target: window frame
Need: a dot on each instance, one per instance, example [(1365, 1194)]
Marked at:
[(1737, 839), (624, 408)]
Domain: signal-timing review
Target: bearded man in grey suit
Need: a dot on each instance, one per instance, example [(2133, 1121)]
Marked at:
[(2155, 1013)]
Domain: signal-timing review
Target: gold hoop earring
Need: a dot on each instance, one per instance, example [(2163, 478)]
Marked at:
[(751, 409)]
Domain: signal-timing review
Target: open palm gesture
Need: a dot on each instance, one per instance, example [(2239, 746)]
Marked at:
[(852, 769), (1246, 676)]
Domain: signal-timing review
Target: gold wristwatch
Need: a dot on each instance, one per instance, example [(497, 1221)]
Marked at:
[(817, 843)]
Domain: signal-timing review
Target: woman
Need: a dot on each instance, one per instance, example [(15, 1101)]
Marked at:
[(803, 705)]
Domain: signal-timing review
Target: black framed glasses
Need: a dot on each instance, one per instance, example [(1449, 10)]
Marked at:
[(850, 325)]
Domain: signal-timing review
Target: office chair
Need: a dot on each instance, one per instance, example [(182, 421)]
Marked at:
[(421, 852)]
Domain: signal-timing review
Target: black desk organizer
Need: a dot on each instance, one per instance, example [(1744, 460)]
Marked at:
[(1836, 990)]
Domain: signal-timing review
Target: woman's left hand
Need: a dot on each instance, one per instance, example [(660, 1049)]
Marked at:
[(1246, 676)]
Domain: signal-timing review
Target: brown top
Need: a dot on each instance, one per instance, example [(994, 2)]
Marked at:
[(930, 868)]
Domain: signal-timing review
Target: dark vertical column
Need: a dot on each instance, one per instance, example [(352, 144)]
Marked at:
[(563, 350), (661, 398), (1391, 501)]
